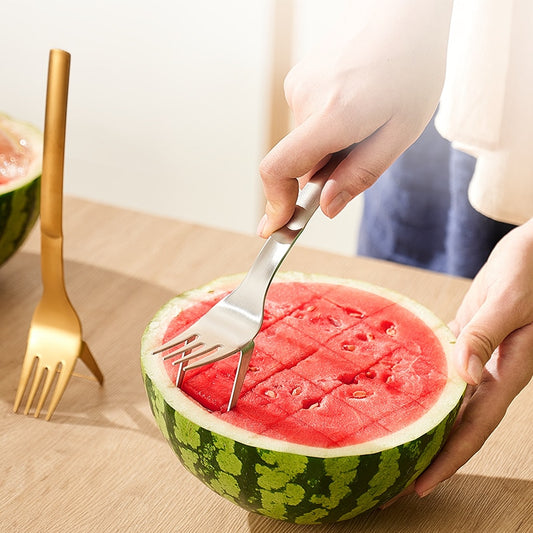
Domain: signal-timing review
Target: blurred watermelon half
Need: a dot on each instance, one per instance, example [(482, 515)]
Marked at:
[(349, 395), (20, 179)]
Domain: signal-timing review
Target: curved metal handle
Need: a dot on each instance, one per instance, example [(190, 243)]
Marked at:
[(306, 204), (257, 281)]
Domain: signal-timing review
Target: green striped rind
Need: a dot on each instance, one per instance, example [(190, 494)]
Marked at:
[(20, 199), (298, 488), (19, 210)]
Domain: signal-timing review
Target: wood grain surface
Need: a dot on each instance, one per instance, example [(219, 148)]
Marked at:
[(101, 465)]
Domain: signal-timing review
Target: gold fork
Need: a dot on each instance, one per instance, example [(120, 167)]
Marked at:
[(55, 337)]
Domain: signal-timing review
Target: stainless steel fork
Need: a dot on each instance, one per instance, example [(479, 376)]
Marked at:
[(232, 324)]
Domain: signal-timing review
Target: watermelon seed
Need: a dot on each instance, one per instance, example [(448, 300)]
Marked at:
[(356, 314), (365, 336), (253, 368), (314, 405), (359, 394), (370, 374), (388, 327), (270, 393), (296, 391), (348, 347), (300, 314), (311, 308), (334, 321)]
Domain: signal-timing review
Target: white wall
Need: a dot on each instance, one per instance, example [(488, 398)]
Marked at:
[(168, 101)]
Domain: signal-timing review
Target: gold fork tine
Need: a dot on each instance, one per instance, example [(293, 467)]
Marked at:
[(87, 357), (27, 367), (62, 380), (37, 378), (49, 374)]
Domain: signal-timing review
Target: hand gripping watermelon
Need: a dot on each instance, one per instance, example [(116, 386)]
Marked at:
[(20, 173), (349, 395)]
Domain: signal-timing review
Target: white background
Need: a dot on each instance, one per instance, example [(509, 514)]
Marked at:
[(168, 102)]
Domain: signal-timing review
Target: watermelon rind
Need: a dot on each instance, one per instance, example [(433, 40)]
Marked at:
[(20, 198), (284, 480)]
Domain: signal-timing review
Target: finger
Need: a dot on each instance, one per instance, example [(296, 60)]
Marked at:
[(273, 218), (480, 337), (454, 327), (304, 150), (325, 167), (319, 166), (363, 166), (281, 199), (405, 492), (483, 407), (482, 413)]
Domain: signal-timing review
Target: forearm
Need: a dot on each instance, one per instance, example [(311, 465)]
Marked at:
[(368, 88)]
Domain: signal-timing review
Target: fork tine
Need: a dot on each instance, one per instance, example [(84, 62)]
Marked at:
[(219, 354), (27, 367), (185, 348), (39, 371), (189, 356), (50, 375), (183, 338), (184, 365), (244, 361), (64, 375), (180, 374), (87, 357)]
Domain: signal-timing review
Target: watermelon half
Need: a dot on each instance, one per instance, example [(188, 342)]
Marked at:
[(20, 171), (349, 395)]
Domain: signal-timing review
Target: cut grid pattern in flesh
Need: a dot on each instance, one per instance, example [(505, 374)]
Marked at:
[(332, 366)]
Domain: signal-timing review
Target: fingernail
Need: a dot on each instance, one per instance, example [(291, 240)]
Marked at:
[(261, 226), (475, 369), (336, 205)]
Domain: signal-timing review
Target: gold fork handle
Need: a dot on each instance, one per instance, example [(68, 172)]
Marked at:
[(54, 144), (52, 175), (52, 271)]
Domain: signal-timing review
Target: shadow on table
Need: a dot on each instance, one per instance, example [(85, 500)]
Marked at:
[(114, 310), (463, 504)]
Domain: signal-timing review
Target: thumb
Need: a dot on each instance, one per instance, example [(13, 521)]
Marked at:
[(479, 338), (305, 150)]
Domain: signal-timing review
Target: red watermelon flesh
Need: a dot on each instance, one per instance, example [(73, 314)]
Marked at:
[(332, 366), (15, 157)]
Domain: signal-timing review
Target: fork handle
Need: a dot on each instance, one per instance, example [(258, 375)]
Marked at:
[(279, 244), (54, 143), (52, 174), (308, 202)]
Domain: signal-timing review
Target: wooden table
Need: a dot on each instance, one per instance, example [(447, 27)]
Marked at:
[(101, 465)]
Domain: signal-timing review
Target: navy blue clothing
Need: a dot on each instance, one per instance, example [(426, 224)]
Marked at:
[(418, 212)]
